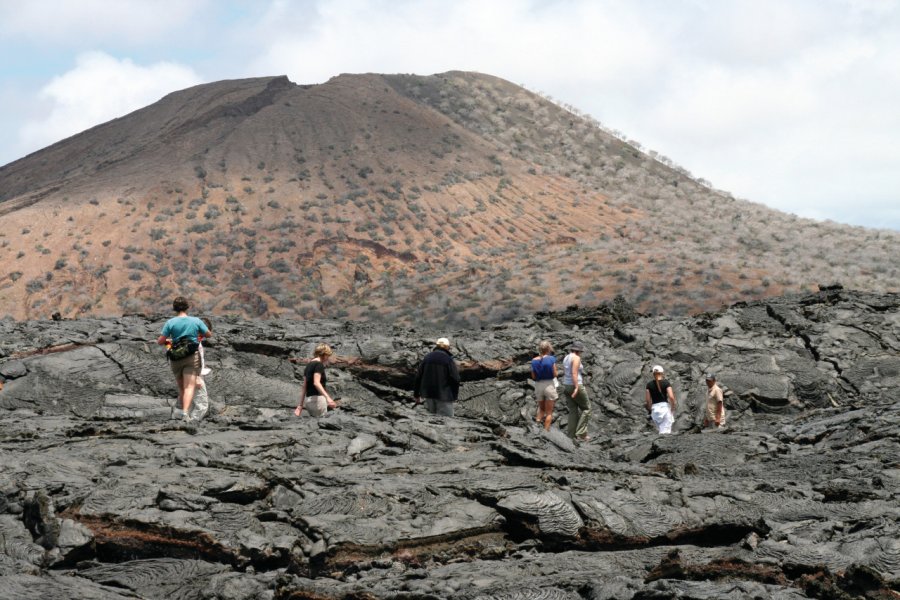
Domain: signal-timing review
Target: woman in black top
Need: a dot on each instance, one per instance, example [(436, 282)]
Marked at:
[(660, 401), (313, 395)]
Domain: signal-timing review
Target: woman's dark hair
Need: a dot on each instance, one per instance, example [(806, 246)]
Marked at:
[(206, 322), (180, 304)]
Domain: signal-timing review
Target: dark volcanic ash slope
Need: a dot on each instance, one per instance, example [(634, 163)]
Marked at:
[(103, 496)]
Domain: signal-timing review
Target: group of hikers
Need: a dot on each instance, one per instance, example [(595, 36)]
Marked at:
[(659, 396), (437, 380)]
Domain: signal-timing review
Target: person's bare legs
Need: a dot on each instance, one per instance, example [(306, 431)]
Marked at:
[(187, 394), (179, 382), (547, 407)]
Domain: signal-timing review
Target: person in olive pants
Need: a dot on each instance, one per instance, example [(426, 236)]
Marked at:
[(575, 393)]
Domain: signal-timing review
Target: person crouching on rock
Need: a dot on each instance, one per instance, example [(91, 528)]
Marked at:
[(543, 371), (715, 403), (576, 396), (181, 336), (313, 395), (660, 400), (437, 380)]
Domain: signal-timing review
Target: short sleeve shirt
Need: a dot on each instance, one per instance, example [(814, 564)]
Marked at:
[(543, 367), (659, 394), (312, 368), (179, 327)]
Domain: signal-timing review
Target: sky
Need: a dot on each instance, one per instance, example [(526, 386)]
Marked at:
[(790, 103)]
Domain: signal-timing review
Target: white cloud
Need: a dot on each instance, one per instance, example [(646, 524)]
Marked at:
[(98, 89), (58, 22), (803, 119), (522, 41)]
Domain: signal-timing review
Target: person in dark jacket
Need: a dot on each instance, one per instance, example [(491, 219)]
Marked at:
[(437, 380)]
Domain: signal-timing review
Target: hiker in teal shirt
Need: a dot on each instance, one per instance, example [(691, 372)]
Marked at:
[(180, 335)]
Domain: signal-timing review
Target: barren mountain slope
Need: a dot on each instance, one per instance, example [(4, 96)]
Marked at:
[(458, 198)]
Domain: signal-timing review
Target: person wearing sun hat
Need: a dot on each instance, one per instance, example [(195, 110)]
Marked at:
[(660, 400), (576, 396), (437, 380), (715, 403)]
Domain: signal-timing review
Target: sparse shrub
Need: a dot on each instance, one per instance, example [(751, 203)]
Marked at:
[(138, 265), (280, 266), (200, 227)]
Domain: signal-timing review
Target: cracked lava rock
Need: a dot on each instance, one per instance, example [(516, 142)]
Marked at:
[(104, 495)]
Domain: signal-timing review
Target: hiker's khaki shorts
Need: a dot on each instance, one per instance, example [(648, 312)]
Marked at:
[(545, 390), (189, 365)]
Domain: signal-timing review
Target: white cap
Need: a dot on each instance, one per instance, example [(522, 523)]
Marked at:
[(442, 342), (658, 369)]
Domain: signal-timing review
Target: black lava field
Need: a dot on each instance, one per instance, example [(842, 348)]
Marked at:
[(105, 495)]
